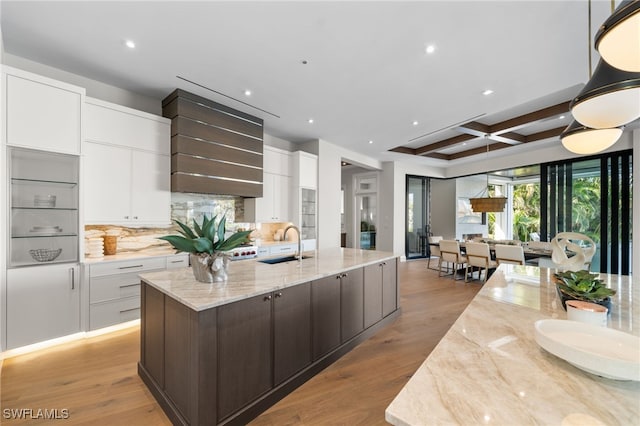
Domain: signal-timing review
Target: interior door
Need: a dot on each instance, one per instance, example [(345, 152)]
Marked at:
[(417, 216)]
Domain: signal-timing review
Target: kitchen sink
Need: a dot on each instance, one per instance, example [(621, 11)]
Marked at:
[(275, 260)]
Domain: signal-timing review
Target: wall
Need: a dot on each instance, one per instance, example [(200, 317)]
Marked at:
[(3, 206), (329, 184), (443, 208)]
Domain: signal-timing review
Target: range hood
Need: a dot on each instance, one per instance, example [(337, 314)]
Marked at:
[(215, 149)]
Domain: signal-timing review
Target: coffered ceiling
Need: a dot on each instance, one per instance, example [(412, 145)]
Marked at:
[(361, 71)]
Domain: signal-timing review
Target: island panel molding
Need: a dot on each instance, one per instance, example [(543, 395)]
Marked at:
[(222, 354), (203, 130)]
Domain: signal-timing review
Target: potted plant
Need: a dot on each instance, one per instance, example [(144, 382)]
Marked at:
[(207, 247), (583, 285)]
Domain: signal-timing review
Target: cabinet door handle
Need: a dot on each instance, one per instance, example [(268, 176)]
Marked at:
[(128, 310), (73, 278), (126, 217), (135, 217), (129, 267), (130, 285), (177, 261), (344, 275), (266, 298), (278, 294), (338, 277)]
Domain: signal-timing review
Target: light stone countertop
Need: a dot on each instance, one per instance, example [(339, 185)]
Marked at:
[(489, 370), (248, 278), (140, 254)]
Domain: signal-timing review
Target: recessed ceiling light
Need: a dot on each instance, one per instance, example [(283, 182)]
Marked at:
[(430, 49), (130, 44), (487, 92), (415, 123), (370, 142), (247, 92), (310, 121)]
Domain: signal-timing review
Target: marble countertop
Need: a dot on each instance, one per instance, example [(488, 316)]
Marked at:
[(248, 278), (151, 252), (489, 370)]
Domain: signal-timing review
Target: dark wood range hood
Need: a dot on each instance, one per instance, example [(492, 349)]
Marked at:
[(215, 149)]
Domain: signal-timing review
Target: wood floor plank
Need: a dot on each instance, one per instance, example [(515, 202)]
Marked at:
[(96, 379)]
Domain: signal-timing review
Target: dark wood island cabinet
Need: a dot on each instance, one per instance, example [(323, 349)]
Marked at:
[(222, 354)]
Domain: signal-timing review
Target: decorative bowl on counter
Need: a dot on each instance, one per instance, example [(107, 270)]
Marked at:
[(598, 350), (45, 255)]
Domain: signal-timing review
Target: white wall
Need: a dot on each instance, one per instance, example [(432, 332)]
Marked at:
[(3, 205), (443, 208)]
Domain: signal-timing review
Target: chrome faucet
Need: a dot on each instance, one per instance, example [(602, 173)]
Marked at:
[(284, 237)]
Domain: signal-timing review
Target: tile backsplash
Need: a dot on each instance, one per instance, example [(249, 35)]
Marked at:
[(185, 208)]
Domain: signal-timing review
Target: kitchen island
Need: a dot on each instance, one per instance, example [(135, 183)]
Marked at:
[(222, 353), (488, 368)]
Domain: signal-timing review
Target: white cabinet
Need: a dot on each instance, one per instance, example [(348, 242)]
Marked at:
[(114, 290), (42, 303), (128, 169), (305, 169), (42, 113), (107, 122), (273, 206)]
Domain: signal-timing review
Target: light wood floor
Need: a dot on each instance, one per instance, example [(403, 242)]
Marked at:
[(96, 379)]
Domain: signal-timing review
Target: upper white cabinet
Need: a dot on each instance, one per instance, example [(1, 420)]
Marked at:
[(273, 206), (118, 125), (305, 169), (42, 113), (127, 166)]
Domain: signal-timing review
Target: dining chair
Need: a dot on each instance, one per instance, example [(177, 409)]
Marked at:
[(583, 252), (434, 248), (509, 254), (479, 256), (450, 253)]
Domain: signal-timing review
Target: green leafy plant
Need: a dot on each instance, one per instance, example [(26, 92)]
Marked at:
[(583, 285), (207, 237)]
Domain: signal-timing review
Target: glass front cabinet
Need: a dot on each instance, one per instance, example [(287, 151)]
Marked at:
[(308, 213), (43, 197)]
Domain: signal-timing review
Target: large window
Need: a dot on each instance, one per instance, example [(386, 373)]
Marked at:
[(592, 197)]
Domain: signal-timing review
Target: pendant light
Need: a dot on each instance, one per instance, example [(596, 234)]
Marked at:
[(611, 97), (484, 202), (581, 139), (618, 39)]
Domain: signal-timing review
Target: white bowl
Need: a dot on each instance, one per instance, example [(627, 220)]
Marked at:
[(598, 350)]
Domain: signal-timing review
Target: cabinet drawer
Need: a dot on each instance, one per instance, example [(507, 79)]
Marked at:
[(178, 261), (113, 312), (127, 266), (110, 287), (283, 249)]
